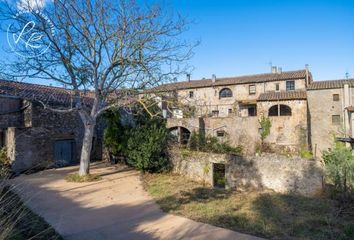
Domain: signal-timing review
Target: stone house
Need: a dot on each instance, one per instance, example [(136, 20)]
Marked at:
[(35, 137), (229, 108), (331, 112), (305, 114)]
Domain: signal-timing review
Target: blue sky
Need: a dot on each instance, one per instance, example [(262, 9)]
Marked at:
[(242, 36)]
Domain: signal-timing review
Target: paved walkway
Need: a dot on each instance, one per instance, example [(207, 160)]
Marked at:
[(116, 207)]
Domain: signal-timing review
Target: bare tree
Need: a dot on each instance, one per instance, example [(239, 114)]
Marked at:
[(98, 46)]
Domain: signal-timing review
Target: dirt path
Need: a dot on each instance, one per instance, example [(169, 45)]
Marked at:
[(116, 207)]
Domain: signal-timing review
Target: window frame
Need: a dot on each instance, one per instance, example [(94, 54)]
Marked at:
[(220, 133), (335, 97), (222, 95), (191, 94), (277, 87), (292, 85), (249, 89), (215, 113), (337, 121)]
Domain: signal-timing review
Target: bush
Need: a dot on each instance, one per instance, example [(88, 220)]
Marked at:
[(143, 143), (146, 148), (339, 165), (200, 142)]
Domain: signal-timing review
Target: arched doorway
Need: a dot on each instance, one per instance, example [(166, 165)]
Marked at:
[(180, 134)]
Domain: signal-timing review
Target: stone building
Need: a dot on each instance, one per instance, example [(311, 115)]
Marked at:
[(229, 108), (35, 137), (330, 112)]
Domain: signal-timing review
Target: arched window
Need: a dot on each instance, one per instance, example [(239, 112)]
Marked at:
[(225, 93), (279, 110)]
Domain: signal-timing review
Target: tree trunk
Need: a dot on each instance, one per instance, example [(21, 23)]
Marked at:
[(86, 150)]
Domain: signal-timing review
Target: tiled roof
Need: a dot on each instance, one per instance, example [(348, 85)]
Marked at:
[(289, 95), (257, 78), (330, 84), (38, 92)]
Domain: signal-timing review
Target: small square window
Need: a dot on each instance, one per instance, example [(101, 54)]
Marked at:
[(277, 87), (335, 119), (290, 85), (336, 97), (252, 89), (230, 110), (220, 133), (215, 113), (191, 94)]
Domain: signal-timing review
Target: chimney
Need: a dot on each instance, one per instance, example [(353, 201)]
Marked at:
[(280, 70), (274, 69), (307, 74), (188, 77), (213, 78)]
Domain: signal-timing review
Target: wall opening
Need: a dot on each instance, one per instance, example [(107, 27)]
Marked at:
[(219, 180), (279, 110)]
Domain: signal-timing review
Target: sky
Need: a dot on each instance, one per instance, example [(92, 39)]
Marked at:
[(240, 37)]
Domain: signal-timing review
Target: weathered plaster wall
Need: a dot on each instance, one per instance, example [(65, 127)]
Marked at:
[(269, 171), (321, 108), (287, 132)]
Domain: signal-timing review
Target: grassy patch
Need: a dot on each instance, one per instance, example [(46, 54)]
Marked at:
[(17, 222), (79, 179), (266, 214)]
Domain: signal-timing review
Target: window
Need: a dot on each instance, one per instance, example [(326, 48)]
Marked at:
[(215, 113), (279, 110), (336, 97), (252, 111), (220, 133), (225, 93), (290, 85), (230, 110), (252, 89), (335, 119), (277, 87), (191, 94)]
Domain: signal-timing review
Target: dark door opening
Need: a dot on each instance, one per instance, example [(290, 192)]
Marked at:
[(64, 152), (219, 175)]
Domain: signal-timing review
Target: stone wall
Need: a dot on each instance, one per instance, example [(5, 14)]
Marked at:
[(32, 145), (321, 108), (269, 171), (10, 114)]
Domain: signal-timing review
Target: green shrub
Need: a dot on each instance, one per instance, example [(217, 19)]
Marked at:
[(339, 166), (266, 124), (146, 148), (200, 142), (143, 141), (304, 153)]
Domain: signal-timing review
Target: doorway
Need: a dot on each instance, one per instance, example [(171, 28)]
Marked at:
[(64, 152), (219, 180)]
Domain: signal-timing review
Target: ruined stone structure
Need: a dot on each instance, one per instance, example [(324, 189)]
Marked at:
[(268, 171), (35, 137), (305, 114)]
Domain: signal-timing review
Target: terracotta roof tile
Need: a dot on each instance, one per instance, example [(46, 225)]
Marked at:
[(38, 92), (257, 78), (289, 95), (330, 84)]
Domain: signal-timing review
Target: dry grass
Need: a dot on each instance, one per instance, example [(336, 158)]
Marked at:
[(17, 222), (80, 179), (266, 214)]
